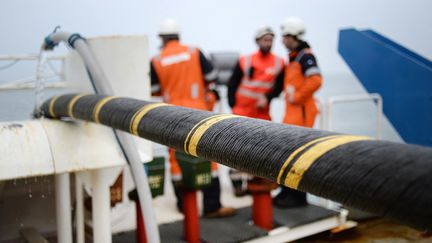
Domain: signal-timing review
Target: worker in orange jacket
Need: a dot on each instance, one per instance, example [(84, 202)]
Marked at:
[(253, 76), (299, 81), (182, 75)]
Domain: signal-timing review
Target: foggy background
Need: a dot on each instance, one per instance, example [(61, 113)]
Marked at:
[(223, 25)]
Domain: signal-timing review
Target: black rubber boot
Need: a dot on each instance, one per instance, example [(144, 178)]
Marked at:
[(289, 198)]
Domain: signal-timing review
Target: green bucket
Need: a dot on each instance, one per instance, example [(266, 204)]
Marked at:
[(196, 171), (156, 175)]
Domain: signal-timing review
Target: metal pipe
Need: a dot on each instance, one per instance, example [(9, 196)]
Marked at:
[(142, 186), (79, 210), (101, 207), (20, 86), (30, 57), (379, 116), (63, 208), (102, 86)]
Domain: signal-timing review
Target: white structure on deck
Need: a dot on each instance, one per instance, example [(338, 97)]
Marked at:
[(90, 151)]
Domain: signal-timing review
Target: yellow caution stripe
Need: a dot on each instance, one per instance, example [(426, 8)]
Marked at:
[(99, 105), (196, 133), (296, 152), (71, 104), (303, 163), (51, 106), (187, 140), (136, 119)]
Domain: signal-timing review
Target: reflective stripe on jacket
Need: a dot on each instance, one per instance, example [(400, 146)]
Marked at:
[(180, 76), (265, 69)]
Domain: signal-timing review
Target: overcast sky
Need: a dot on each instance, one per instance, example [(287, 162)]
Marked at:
[(218, 25)]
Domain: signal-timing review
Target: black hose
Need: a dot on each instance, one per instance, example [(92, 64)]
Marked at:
[(388, 179)]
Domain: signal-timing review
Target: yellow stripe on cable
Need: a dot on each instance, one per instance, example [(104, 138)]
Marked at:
[(51, 106), (199, 132), (71, 104), (136, 119), (193, 130), (99, 105), (304, 162), (297, 151)]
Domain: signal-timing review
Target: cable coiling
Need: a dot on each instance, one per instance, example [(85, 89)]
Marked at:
[(385, 178)]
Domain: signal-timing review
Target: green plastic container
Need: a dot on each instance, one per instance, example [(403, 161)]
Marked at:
[(156, 175), (196, 171)]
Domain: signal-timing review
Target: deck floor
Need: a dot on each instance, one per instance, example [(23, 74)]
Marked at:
[(235, 229)]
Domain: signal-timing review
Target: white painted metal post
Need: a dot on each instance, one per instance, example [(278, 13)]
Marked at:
[(321, 111), (379, 115), (102, 86), (63, 208), (355, 98), (101, 206), (79, 210)]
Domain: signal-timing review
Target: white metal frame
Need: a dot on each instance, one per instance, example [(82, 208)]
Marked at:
[(332, 101), (286, 234), (97, 180), (326, 107), (320, 106)]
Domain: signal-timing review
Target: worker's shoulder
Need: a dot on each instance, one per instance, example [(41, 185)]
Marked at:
[(307, 53), (307, 58), (193, 48)]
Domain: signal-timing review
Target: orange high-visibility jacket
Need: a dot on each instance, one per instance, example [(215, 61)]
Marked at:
[(182, 83), (265, 69), (301, 109), (180, 76)]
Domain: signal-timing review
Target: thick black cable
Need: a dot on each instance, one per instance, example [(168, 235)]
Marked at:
[(385, 178)]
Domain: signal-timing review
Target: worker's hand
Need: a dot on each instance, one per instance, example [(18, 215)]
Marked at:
[(290, 90), (262, 102)]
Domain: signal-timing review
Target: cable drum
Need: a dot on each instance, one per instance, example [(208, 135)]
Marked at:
[(388, 179)]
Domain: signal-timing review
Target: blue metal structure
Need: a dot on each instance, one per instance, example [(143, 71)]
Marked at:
[(402, 77)]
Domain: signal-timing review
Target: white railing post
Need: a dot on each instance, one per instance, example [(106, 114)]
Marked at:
[(63, 208), (355, 98)]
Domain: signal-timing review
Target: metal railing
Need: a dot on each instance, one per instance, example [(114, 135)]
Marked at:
[(55, 75), (332, 101)]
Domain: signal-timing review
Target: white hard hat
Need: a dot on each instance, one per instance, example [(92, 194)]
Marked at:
[(262, 31), (293, 26), (169, 27)]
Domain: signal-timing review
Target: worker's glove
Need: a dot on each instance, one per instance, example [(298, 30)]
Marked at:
[(290, 91), (262, 102)]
